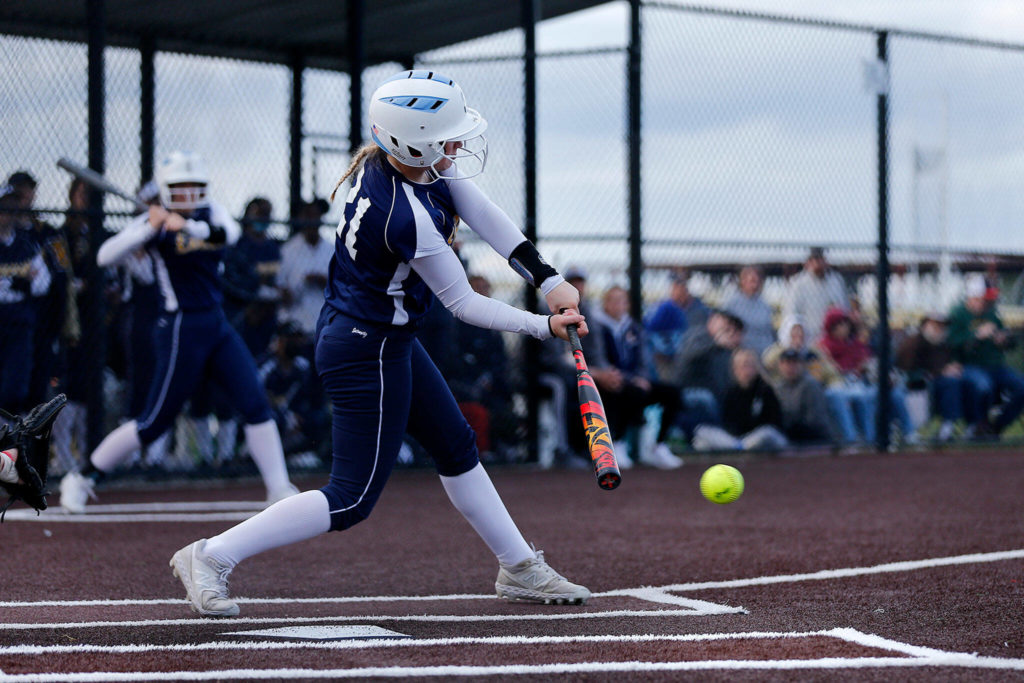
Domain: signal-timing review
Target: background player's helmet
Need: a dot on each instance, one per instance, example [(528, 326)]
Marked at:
[(182, 179), (412, 115)]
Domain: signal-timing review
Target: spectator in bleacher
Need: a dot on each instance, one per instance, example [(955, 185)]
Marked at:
[(804, 408), (304, 261), (845, 405), (24, 278), (751, 414), (979, 341), (813, 291), (707, 361), (296, 400), (748, 305), (478, 377), (627, 389), (668, 323), (852, 355), (250, 278), (56, 312), (927, 359)]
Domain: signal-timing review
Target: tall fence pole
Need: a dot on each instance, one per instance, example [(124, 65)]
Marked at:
[(93, 333), (356, 64), (530, 12), (883, 416), (298, 68), (633, 84)]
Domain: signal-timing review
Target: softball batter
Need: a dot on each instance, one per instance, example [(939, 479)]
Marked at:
[(392, 256)]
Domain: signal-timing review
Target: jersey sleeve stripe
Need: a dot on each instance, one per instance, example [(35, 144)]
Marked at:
[(428, 238)]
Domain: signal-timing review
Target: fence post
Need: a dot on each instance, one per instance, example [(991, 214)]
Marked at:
[(883, 416), (94, 329), (531, 349), (633, 83)]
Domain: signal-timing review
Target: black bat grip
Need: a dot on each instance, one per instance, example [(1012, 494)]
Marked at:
[(574, 337)]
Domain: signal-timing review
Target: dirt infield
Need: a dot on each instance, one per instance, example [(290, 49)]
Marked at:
[(872, 567)]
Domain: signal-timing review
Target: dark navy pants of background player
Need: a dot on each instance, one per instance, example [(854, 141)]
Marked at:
[(382, 384), (188, 347)]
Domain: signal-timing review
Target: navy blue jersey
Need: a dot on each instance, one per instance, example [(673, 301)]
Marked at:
[(388, 221), (188, 269)]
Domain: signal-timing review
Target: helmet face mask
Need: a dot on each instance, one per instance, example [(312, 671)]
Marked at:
[(182, 179), (414, 113)]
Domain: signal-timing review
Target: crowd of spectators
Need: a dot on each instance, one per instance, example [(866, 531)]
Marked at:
[(729, 377), (742, 374)]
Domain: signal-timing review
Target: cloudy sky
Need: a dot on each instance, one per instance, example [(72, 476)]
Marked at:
[(754, 132)]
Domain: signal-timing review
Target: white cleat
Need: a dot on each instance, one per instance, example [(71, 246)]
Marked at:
[(281, 493), (621, 449), (205, 581), (662, 457), (75, 492), (533, 580)]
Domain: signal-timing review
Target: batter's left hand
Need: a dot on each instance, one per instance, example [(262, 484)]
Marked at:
[(562, 297)]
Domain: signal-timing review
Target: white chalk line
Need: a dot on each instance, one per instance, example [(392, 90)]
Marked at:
[(844, 634), (182, 511), (826, 574), (644, 593), (448, 671), (372, 618), (62, 518)]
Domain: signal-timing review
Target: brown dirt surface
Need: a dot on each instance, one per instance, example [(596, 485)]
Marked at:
[(867, 567)]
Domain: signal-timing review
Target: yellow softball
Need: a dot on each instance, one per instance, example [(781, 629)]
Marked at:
[(721, 484)]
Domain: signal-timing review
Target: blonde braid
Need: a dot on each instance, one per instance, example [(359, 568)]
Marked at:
[(364, 152)]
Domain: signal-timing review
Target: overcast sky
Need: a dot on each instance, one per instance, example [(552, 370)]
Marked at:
[(752, 131)]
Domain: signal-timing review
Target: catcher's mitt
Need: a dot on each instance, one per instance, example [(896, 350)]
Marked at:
[(31, 436)]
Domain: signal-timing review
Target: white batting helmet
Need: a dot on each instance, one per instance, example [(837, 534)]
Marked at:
[(412, 115), (173, 173)]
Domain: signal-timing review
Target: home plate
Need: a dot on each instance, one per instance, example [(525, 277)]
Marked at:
[(346, 632)]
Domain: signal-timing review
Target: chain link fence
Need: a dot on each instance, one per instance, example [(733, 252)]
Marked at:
[(759, 141)]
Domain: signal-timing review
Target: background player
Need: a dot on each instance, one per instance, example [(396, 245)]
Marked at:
[(186, 235), (393, 248)]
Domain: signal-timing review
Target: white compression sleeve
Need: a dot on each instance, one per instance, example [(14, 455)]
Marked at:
[(445, 276), (484, 216), (131, 237)]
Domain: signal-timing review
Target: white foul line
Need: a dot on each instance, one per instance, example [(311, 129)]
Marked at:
[(644, 593), (844, 634), (612, 614), (826, 574), (948, 660)]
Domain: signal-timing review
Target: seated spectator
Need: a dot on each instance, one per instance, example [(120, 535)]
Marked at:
[(927, 359), (805, 415), (296, 402), (751, 414), (707, 360), (979, 340), (845, 405), (749, 306), (24, 278), (852, 355), (626, 388), (668, 324), (478, 378)]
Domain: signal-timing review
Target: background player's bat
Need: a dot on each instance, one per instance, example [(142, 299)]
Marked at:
[(595, 424), (99, 182)]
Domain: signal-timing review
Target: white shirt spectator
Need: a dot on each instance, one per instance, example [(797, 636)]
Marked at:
[(299, 260), (811, 296)]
